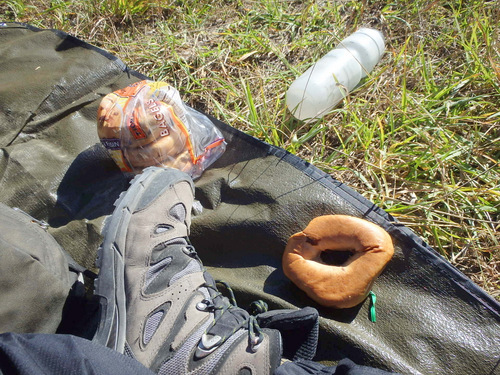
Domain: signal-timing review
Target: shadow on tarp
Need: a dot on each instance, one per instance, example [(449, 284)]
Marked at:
[(89, 187)]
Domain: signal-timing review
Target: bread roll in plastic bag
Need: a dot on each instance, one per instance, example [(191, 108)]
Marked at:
[(147, 124)]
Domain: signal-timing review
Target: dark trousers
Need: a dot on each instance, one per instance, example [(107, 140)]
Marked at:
[(55, 354)]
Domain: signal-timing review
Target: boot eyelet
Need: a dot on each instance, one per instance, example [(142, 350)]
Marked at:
[(254, 346), (189, 250), (204, 305)]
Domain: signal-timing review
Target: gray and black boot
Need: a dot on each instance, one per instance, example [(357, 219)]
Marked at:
[(158, 303)]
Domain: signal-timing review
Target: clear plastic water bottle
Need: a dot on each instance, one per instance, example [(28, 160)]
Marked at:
[(330, 79)]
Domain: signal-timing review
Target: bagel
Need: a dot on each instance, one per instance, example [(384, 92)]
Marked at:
[(153, 115), (144, 125), (183, 162), (343, 285), (109, 117), (165, 150), (136, 122)]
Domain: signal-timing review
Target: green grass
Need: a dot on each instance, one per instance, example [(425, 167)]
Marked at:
[(420, 137)]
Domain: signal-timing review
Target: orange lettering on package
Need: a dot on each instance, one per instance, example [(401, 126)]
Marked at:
[(135, 128)]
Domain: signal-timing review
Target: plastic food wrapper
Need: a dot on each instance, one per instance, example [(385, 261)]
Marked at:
[(147, 124)]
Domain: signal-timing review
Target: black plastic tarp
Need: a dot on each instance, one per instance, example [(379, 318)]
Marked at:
[(431, 319)]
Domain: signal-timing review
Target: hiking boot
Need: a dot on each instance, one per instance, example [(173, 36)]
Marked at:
[(159, 305)]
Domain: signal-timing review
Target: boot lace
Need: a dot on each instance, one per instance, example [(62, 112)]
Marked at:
[(228, 317)]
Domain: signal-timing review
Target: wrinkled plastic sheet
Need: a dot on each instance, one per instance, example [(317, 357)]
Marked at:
[(431, 319)]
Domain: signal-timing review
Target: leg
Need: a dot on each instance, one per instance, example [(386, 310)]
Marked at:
[(34, 275)]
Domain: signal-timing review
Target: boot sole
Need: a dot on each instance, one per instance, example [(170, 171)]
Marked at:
[(109, 285)]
